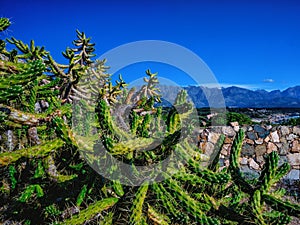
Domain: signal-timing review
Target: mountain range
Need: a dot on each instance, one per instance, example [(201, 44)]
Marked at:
[(239, 97)]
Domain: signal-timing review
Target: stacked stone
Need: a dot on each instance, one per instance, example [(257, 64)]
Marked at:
[(259, 141)]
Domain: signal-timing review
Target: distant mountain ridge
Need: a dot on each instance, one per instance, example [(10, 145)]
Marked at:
[(241, 97)]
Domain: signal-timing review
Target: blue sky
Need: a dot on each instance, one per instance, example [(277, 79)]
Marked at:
[(253, 44)]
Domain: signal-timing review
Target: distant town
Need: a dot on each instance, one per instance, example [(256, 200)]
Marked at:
[(269, 115)]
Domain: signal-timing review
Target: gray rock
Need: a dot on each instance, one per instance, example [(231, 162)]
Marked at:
[(260, 150), (217, 129), (244, 129), (198, 130), (271, 147), (227, 146), (252, 135), (253, 164), (213, 137), (248, 173), (263, 134), (269, 127), (259, 141), (282, 159), (247, 150), (227, 140), (10, 140), (283, 139), (209, 149), (295, 146), (260, 159), (267, 139), (292, 175), (284, 149), (222, 164), (249, 141), (44, 104), (228, 131), (275, 137), (236, 128), (70, 211), (224, 152), (244, 161), (291, 137), (279, 145), (33, 135), (259, 129), (226, 162), (284, 130), (234, 124), (37, 108), (294, 159), (273, 129), (296, 130)]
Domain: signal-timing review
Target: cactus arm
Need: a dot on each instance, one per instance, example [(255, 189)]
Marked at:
[(257, 209), (91, 211), (166, 199), (234, 164), (214, 165), (282, 206), (271, 174), (7, 158), (157, 217), (118, 188), (232, 215), (64, 132), (236, 150), (4, 23), (31, 119), (137, 206)]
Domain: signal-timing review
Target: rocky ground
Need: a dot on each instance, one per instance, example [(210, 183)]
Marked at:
[(259, 141)]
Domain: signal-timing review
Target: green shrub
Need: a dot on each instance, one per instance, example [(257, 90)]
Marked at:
[(44, 179), (220, 119)]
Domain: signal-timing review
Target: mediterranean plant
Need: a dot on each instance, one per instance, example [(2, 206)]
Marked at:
[(47, 179)]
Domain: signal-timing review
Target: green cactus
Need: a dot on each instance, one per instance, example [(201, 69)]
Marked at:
[(91, 211), (234, 163), (48, 182), (150, 89), (7, 158), (4, 23), (118, 188), (271, 174), (13, 180), (81, 195), (157, 217), (39, 171), (214, 165), (29, 191), (137, 205)]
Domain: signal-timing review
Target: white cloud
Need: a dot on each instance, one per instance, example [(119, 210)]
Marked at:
[(269, 80)]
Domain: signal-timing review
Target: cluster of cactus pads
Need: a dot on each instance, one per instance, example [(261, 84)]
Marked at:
[(46, 177)]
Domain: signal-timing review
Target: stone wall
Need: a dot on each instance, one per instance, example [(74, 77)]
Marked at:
[(259, 141)]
